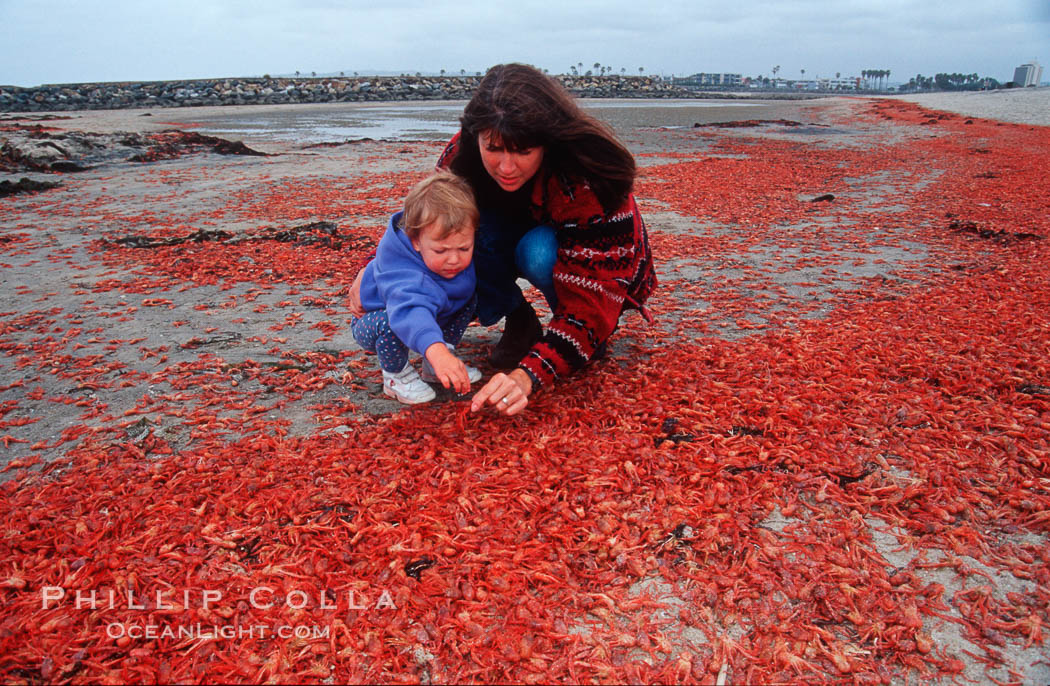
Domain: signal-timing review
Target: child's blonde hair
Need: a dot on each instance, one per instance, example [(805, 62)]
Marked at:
[(443, 198)]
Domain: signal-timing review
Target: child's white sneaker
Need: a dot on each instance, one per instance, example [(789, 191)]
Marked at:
[(407, 387)]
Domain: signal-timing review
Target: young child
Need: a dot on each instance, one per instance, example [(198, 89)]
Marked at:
[(418, 291)]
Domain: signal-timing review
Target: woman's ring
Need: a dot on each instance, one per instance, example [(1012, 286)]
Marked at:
[(504, 400)]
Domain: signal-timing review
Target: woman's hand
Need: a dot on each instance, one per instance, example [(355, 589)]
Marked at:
[(508, 393), (448, 368), (353, 298)]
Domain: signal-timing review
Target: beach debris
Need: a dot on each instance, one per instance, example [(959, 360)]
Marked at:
[(681, 534), (739, 430), (42, 153), (971, 227), (269, 254), (198, 236), (43, 149), (414, 568), (32, 117), (668, 428), (168, 145), (227, 337), (25, 185), (322, 233), (336, 144), (824, 197), (750, 123)]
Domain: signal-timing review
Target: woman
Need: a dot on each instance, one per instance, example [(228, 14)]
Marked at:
[(554, 189)]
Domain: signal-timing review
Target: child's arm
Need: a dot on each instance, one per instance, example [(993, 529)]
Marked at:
[(353, 298), (411, 310), (448, 368), (412, 303)]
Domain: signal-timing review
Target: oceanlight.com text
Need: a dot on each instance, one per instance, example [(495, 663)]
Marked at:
[(119, 630)]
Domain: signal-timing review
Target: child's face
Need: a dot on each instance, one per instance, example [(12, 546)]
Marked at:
[(446, 256)]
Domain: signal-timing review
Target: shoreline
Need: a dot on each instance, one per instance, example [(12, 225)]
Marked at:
[(256, 125), (1014, 105), (1023, 106)]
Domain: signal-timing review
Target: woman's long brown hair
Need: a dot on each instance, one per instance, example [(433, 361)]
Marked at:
[(525, 108)]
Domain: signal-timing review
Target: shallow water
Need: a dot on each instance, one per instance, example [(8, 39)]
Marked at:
[(439, 120)]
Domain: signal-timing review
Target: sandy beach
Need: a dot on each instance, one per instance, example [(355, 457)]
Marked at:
[(826, 460), (1018, 105)]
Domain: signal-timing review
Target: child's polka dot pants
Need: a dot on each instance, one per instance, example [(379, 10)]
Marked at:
[(373, 333)]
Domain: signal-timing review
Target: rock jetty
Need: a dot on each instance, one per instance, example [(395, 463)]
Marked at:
[(269, 91)]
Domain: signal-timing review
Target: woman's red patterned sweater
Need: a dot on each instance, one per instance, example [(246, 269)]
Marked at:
[(604, 266)]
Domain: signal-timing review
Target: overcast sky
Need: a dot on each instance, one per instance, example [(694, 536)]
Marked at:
[(73, 41)]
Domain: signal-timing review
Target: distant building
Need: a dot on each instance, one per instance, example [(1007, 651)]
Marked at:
[(703, 79), (840, 84), (1028, 74)]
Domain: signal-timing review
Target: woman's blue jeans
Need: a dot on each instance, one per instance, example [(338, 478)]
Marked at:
[(504, 250)]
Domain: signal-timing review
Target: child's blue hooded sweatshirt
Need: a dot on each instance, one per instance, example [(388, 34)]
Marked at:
[(417, 301)]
